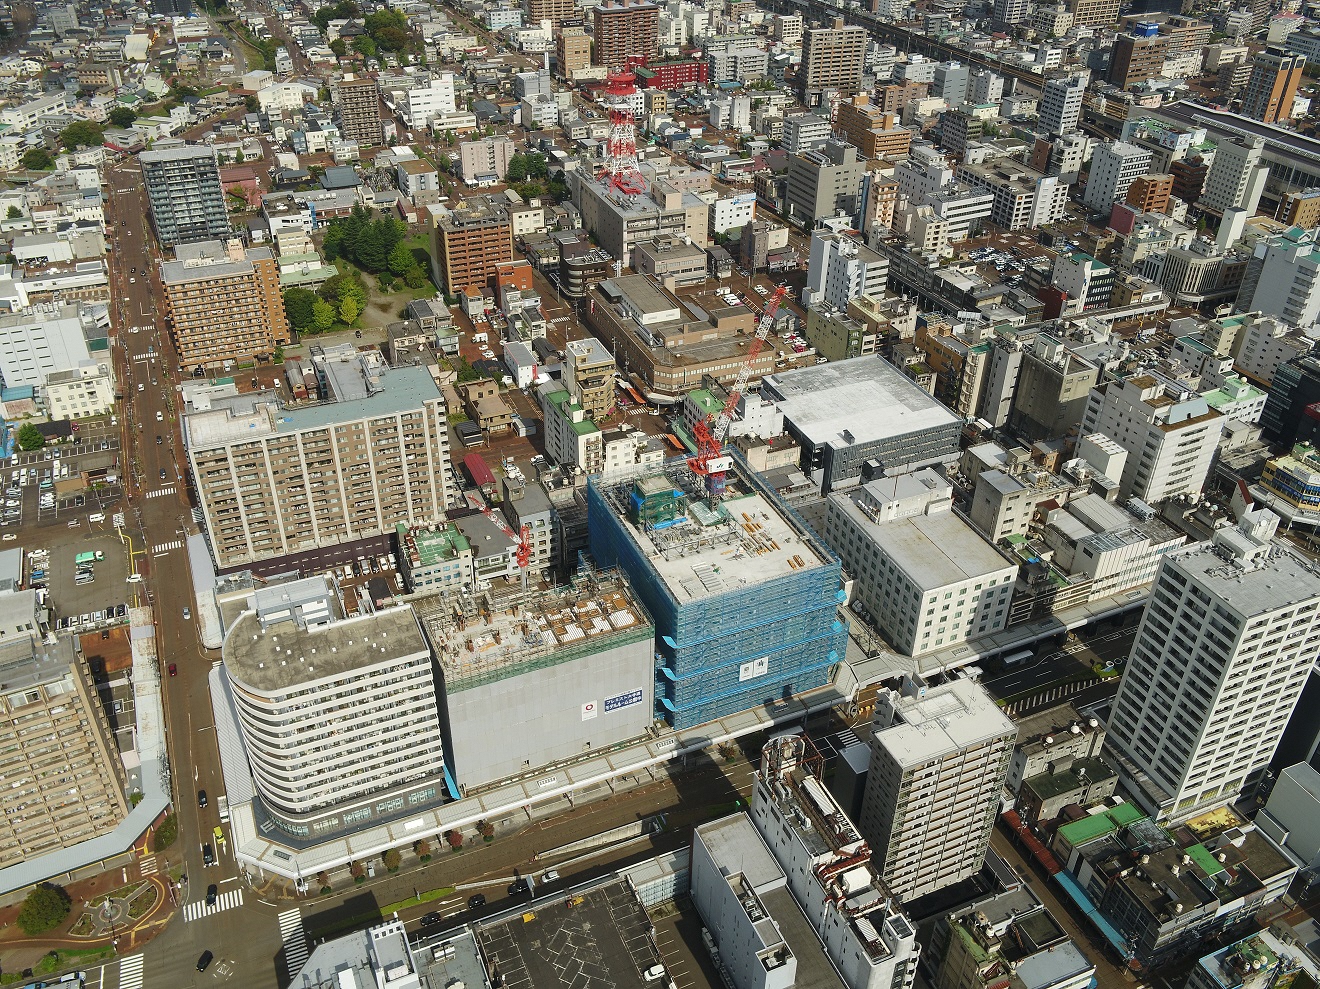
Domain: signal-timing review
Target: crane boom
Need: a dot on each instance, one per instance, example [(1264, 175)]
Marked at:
[(711, 432)]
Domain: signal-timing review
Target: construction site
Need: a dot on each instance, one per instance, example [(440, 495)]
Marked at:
[(743, 594), (562, 672)]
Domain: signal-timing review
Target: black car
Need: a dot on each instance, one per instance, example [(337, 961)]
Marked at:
[(431, 919), (476, 901), (518, 886), (162, 473), (159, 439), (208, 855), (204, 961), (201, 798), (212, 892)]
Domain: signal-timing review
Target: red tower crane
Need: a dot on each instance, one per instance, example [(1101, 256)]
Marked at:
[(523, 553), (710, 461)]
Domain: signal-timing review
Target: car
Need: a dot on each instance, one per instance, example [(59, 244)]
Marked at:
[(212, 893), (204, 961), (219, 833), (162, 473), (201, 798), (133, 271), (187, 613), (550, 876), (519, 885), (174, 669), (132, 281), (431, 919), (142, 386), (476, 901), (208, 855), (159, 439), (160, 417)]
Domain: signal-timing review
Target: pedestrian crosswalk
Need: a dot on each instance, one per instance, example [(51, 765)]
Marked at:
[(225, 901), (295, 940), (161, 492), (164, 548), (140, 357), (130, 972), (147, 866)]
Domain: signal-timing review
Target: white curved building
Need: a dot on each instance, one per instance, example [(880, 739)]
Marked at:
[(339, 716)]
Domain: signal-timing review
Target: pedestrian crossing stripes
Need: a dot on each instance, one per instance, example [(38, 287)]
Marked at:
[(198, 516), (225, 901), (140, 357), (847, 737), (161, 492), (294, 938), (147, 866), (164, 548), (130, 972)]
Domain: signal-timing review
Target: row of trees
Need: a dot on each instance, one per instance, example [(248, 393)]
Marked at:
[(393, 858)]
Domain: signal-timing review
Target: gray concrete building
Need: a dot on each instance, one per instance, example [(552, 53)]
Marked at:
[(184, 194), (824, 183), (548, 677)]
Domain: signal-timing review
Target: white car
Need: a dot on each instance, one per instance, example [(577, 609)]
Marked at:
[(160, 417)]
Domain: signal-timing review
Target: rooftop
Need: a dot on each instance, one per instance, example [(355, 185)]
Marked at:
[(861, 400), (543, 629), (948, 718), (698, 552), (285, 655)]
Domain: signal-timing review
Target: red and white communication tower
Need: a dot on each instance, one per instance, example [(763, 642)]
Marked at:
[(621, 151)]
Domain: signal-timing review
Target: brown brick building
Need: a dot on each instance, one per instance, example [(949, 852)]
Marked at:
[(625, 29), (1275, 76), (572, 51), (1150, 193), (358, 102), (875, 133), (223, 302), (469, 244)]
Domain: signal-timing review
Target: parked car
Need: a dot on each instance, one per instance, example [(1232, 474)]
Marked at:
[(174, 669)]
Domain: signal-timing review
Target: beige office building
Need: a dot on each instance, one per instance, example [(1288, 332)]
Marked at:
[(278, 480)]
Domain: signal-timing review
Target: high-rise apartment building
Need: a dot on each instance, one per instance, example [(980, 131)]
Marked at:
[(1150, 193), (64, 779), (485, 161), (1011, 11), (554, 11), (951, 82), (1114, 166), (1094, 13), (572, 52), (357, 102), (1061, 104), (184, 193), (1170, 433), (832, 60), (223, 303), (468, 244), (1275, 76), (939, 756), (842, 268), (279, 480), (718, 591), (1283, 278), (339, 716), (623, 30), (1137, 59), (1226, 643), (1236, 177), (434, 99)]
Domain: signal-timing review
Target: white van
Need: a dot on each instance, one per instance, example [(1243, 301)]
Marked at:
[(96, 517), (480, 337)]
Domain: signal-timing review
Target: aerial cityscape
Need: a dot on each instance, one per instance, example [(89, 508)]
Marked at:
[(692, 494)]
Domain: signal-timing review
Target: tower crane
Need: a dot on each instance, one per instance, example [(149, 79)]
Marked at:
[(523, 554), (710, 461)]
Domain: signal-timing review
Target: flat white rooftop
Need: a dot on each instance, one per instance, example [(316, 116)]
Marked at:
[(861, 400), (950, 718)]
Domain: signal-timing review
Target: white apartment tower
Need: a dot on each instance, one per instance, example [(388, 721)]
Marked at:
[(1286, 274), (1011, 11), (1169, 432), (1227, 641), (842, 268), (339, 716), (436, 98), (1236, 177), (1114, 167), (938, 760), (1061, 105)]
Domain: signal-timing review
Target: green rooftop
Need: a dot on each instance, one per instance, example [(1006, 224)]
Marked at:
[(1095, 826), (705, 401), (563, 401), (436, 545), (1204, 859)]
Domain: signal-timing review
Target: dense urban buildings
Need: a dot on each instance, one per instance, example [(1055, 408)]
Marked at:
[(831, 61), (184, 193)]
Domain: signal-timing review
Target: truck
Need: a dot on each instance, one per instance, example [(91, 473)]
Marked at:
[(222, 802), (87, 557)]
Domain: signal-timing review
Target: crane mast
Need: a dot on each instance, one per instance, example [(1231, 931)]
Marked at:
[(710, 461)]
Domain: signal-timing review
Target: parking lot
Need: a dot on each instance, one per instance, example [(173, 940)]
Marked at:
[(61, 485), (51, 568)]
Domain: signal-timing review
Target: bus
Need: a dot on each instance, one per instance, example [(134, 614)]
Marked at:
[(1013, 658)]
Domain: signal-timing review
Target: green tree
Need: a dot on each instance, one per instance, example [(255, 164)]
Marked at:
[(365, 47), (14, 213), (339, 46), (252, 104), (298, 306), (401, 259), (392, 859), (517, 170), (415, 277), (44, 909), (348, 309), (38, 159), (122, 116), (165, 835), (30, 438), (83, 134), (392, 39), (323, 316)]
